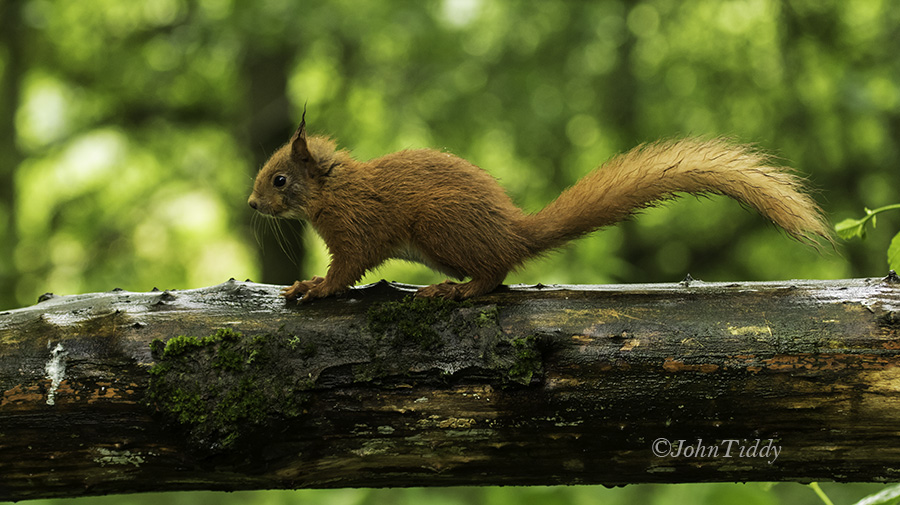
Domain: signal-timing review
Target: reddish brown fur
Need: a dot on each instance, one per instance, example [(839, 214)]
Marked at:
[(445, 212)]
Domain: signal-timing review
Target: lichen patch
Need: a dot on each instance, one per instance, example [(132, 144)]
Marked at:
[(56, 371)]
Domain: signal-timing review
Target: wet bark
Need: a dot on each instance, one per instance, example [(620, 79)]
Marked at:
[(795, 381)]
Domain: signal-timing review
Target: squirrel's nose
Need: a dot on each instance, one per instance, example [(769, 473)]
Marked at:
[(252, 202)]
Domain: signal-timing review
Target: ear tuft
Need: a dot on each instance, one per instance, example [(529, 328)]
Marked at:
[(299, 148)]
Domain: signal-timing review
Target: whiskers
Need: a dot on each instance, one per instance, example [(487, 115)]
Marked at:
[(289, 242)]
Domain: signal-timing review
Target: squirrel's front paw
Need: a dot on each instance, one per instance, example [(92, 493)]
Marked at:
[(300, 288)]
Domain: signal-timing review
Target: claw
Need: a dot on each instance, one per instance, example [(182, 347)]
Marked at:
[(300, 289)]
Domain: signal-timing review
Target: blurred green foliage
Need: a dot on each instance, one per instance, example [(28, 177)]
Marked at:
[(649, 494), (133, 130), (130, 131)]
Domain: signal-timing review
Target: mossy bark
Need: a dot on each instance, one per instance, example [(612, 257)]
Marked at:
[(230, 388)]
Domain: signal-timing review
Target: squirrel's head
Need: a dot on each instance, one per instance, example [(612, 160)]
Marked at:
[(297, 169)]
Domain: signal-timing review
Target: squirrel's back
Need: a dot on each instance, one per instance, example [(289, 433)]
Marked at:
[(460, 219)]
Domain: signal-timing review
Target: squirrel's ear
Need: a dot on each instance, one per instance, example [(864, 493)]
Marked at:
[(299, 149)]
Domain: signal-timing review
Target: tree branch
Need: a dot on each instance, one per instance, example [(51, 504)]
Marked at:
[(689, 382)]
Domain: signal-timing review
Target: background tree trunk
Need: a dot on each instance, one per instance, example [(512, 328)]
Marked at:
[(268, 125), (12, 43), (530, 386)]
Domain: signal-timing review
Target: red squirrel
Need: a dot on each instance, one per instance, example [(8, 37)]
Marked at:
[(440, 210)]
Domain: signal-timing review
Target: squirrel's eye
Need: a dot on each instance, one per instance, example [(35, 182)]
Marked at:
[(279, 181)]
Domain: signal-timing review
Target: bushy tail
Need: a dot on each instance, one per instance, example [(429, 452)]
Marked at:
[(651, 173)]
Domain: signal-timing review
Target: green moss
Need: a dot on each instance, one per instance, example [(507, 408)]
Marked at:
[(229, 359), (487, 316), (446, 333), (307, 348), (177, 346), (223, 386), (527, 361), (180, 344), (188, 407), (412, 320), (409, 331), (228, 391), (157, 347)]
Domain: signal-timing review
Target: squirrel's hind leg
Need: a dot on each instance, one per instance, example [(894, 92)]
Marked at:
[(447, 289), (450, 290)]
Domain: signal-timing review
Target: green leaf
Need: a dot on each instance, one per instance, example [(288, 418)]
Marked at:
[(849, 228), (886, 495), (893, 255)]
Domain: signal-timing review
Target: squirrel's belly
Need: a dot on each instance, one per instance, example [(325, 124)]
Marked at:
[(409, 252)]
